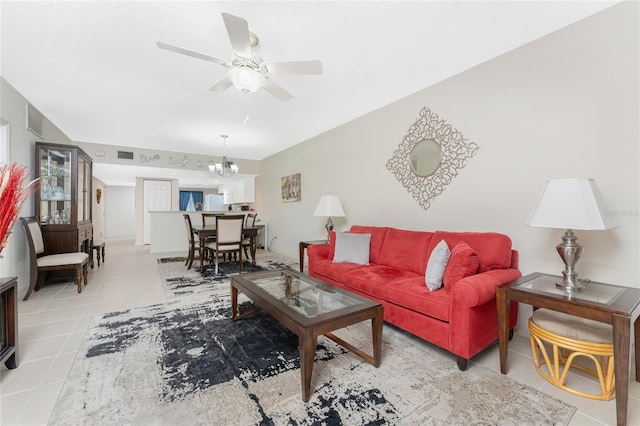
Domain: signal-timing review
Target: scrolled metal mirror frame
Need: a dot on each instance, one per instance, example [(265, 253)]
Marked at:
[(455, 153)]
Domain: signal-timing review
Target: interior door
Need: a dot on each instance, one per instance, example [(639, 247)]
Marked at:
[(157, 197)]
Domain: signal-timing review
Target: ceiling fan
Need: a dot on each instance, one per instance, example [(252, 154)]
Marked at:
[(248, 72)]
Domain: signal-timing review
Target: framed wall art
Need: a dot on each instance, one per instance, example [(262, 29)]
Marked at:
[(290, 188)]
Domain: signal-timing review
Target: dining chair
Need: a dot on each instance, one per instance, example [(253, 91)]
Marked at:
[(41, 263), (250, 222), (228, 238), (192, 242)]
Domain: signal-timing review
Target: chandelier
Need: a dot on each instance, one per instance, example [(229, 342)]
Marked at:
[(226, 168)]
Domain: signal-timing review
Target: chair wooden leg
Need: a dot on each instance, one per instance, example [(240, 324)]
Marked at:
[(40, 282), (79, 274), (32, 285), (86, 275), (102, 252), (240, 256), (190, 257)]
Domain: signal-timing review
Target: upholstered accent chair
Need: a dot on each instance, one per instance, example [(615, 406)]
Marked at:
[(41, 263)]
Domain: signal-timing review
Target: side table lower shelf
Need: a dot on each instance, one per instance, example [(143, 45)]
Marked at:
[(9, 321)]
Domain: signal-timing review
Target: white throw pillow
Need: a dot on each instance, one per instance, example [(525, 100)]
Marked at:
[(352, 248), (436, 265)]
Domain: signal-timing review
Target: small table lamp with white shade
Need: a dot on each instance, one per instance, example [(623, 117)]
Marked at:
[(570, 204), (329, 205)]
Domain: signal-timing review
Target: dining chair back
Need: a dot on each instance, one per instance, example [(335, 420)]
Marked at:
[(250, 222), (228, 237), (192, 242), (40, 262), (209, 218)]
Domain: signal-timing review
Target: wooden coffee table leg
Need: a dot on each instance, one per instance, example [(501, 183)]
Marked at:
[(234, 302), (376, 331), (307, 344)]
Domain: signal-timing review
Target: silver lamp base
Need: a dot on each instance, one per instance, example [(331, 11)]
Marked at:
[(329, 226), (570, 251)]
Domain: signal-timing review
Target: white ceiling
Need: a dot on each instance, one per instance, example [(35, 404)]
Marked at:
[(94, 70)]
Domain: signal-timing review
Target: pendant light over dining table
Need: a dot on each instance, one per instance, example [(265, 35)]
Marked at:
[(226, 168)]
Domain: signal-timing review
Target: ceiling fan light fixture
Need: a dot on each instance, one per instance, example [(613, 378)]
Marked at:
[(246, 79)]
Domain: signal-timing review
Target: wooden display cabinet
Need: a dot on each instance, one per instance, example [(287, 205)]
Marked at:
[(63, 200), (9, 322)]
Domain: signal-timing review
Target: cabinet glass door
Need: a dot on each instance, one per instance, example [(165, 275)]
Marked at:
[(55, 186)]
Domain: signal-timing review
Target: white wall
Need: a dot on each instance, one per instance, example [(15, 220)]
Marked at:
[(119, 212), (566, 105), (15, 259)]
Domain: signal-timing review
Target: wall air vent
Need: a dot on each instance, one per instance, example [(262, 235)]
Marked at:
[(125, 155)]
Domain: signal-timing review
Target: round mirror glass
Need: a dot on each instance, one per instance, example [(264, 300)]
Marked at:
[(425, 157)]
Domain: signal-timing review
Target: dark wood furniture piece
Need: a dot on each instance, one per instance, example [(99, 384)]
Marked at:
[(98, 246), (228, 238), (606, 303), (310, 308), (204, 231), (41, 263), (9, 321), (63, 198), (303, 246), (249, 222)]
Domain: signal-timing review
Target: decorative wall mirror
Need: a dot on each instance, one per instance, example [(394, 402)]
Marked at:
[(429, 156), (425, 157)]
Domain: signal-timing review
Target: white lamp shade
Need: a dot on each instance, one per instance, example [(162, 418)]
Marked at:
[(329, 205), (570, 204)]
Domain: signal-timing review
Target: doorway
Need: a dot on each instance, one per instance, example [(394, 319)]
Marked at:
[(157, 197)]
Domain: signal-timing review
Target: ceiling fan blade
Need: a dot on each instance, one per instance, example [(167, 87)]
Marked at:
[(191, 53), (296, 67), (277, 90), (223, 84), (238, 30)]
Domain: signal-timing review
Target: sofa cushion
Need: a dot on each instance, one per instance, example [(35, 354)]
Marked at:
[(373, 279), (406, 250), (436, 266), (413, 294), (462, 263), (327, 268), (494, 250), (378, 235), (352, 248)]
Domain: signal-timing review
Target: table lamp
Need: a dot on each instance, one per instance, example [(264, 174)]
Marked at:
[(570, 204), (329, 205)]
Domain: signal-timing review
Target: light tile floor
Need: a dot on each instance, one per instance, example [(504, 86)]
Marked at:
[(54, 320)]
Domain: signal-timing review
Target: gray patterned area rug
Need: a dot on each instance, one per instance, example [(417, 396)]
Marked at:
[(186, 362), (180, 281)]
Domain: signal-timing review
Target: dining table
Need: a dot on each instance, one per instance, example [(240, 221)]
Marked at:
[(205, 231)]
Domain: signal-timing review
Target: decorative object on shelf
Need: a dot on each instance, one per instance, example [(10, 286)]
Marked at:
[(13, 194), (290, 188), (226, 168), (201, 164), (329, 205), (429, 157), (182, 162), (570, 204), (149, 158)]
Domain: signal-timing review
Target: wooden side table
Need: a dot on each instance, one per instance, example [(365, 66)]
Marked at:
[(304, 245), (601, 302), (9, 322)]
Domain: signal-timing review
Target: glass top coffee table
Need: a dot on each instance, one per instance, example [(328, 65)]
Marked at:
[(310, 308)]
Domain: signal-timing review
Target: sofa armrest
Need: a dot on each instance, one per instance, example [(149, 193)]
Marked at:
[(318, 251), (478, 289)]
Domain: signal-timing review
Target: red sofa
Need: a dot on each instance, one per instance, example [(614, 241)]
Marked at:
[(459, 317)]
